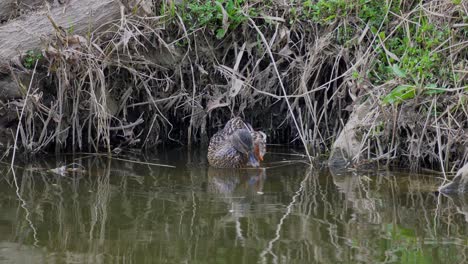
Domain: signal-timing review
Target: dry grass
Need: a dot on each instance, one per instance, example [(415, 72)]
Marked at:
[(142, 81)]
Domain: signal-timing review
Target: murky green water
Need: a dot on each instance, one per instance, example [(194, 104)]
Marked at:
[(123, 212)]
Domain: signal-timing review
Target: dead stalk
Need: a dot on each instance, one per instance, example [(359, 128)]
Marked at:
[(298, 128)]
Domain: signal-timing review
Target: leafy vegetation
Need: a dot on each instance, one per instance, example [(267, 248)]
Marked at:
[(399, 94), (370, 13), (217, 16), (31, 57), (411, 51)]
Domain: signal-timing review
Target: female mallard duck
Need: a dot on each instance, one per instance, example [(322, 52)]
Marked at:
[(237, 145)]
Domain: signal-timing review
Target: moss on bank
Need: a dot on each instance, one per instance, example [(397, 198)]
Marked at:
[(177, 74)]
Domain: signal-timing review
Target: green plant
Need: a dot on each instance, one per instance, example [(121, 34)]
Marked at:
[(399, 94), (414, 54), (218, 16), (370, 13), (30, 58)]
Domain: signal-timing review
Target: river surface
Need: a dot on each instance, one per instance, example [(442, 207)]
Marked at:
[(101, 210)]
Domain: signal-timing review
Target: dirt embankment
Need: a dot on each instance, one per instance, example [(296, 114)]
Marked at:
[(111, 76)]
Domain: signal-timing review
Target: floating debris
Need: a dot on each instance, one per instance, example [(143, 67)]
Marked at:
[(67, 169)]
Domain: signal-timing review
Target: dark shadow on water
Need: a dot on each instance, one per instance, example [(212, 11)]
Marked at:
[(112, 211)]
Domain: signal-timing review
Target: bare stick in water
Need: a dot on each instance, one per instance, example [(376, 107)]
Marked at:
[(21, 118), (23, 202)]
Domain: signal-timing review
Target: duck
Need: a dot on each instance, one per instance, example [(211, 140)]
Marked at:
[(237, 145)]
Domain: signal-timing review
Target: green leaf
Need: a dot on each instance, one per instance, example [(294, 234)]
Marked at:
[(432, 89), (382, 35), (398, 71), (399, 94), (220, 33)]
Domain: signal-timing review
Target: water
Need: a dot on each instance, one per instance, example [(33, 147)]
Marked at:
[(112, 211)]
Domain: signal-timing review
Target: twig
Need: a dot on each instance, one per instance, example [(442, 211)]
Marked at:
[(134, 124), (141, 162), (194, 88), (439, 145), (90, 155), (21, 117), (12, 166), (265, 42)]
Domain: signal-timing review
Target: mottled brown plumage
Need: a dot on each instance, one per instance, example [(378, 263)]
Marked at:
[(237, 145)]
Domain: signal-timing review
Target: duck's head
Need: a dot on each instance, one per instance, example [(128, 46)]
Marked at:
[(242, 141), (236, 123)]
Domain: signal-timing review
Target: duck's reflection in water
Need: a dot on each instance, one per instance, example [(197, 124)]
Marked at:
[(236, 187), (241, 181)]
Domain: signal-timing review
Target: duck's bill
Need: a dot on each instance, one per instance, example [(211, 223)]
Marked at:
[(257, 153), (259, 157), (253, 162)]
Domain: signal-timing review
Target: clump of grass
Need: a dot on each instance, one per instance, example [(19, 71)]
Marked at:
[(219, 16)]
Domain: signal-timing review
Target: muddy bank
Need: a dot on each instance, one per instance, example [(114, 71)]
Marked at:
[(139, 76)]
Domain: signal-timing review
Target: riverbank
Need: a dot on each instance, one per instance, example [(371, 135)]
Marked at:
[(173, 73)]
